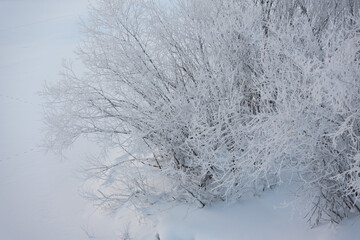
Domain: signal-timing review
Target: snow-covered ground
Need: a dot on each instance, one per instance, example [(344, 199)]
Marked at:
[(39, 198), (269, 217), (39, 193)]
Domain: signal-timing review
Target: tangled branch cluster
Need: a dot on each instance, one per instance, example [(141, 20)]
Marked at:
[(214, 99)]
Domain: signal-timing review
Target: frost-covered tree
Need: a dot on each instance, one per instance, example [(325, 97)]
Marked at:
[(316, 120), (213, 99)]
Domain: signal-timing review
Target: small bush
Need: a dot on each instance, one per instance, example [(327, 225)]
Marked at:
[(213, 99)]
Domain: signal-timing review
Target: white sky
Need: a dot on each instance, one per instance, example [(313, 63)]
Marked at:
[(38, 193)]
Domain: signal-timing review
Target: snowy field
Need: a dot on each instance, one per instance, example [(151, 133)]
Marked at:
[(269, 217), (39, 192), (40, 197)]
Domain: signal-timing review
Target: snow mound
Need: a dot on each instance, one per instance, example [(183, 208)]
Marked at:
[(268, 217)]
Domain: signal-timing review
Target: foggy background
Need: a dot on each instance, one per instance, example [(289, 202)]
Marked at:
[(39, 192)]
